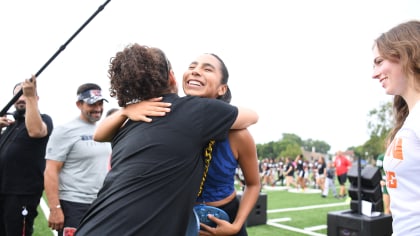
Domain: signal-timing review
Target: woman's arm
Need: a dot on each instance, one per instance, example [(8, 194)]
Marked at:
[(243, 144), (137, 112), (106, 130), (246, 117), (243, 147)]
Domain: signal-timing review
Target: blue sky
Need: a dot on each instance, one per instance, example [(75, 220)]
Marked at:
[(304, 66)]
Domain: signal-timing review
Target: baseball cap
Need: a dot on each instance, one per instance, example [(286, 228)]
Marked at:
[(91, 96)]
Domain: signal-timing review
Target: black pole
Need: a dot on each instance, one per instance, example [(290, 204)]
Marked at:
[(18, 94), (359, 185)]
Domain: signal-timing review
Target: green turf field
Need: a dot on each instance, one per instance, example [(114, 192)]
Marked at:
[(289, 213), (297, 213)]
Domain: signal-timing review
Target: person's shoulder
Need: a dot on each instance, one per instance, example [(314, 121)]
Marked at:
[(46, 117)]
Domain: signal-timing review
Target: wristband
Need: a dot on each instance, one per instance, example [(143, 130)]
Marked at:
[(56, 207)]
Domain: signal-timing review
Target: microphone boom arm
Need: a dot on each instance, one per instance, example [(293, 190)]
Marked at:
[(18, 94)]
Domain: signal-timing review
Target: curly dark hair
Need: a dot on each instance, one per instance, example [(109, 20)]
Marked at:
[(138, 73)]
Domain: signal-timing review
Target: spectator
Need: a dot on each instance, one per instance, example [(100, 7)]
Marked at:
[(289, 173), (329, 181), (76, 164), (301, 173), (321, 171), (342, 166)]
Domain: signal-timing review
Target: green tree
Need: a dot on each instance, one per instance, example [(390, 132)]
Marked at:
[(292, 149), (290, 145), (380, 122), (319, 146), (265, 150), (293, 138)]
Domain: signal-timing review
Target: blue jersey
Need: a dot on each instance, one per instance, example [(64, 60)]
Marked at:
[(219, 182)]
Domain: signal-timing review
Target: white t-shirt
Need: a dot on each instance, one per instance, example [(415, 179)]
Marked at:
[(85, 161), (402, 167)]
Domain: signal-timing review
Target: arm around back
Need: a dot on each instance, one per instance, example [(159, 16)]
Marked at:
[(243, 146), (246, 117)]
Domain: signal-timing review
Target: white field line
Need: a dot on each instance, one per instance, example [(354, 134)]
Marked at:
[(315, 228), (306, 231), (278, 220), (46, 211), (306, 207), (286, 227)]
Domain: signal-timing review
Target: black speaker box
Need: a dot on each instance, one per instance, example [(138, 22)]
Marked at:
[(369, 194), (376, 205), (346, 223), (371, 176), (258, 214)]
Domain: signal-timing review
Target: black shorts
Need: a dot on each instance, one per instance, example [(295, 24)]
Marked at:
[(231, 208), (342, 178), (73, 213)]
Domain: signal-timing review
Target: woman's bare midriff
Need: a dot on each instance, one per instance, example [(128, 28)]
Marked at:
[(220, 202)]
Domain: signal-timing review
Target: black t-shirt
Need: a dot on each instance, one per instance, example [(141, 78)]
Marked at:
[(321, 168), (157, 169), (22, 159), (292, 171)]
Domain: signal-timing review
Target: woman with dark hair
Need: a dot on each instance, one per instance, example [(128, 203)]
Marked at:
[(300, 168), (156, 168), (207, 76)]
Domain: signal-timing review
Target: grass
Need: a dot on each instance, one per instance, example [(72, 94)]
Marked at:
[(276, 199), (41, 225), (290, 203)]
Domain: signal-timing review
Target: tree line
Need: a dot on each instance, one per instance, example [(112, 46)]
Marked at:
[(379, 124)]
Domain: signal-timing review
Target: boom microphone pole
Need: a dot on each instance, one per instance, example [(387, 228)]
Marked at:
[(18, 94)]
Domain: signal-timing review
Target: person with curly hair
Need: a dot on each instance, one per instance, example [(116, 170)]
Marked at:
[(396, 58), (207, 76), (156, 166)]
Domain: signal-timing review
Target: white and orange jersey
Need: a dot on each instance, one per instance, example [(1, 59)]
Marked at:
[(402, 167)]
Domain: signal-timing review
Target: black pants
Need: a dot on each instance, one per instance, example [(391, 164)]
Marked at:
[(231, 208), (73, 213), (17, 213)]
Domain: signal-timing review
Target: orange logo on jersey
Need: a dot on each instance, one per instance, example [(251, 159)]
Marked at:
[(391, 179), (396, 149)]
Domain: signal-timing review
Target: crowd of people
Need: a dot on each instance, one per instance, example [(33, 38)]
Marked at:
[(301, 173)]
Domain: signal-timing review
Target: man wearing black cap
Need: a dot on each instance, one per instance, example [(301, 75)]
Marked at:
[(76, 164)]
